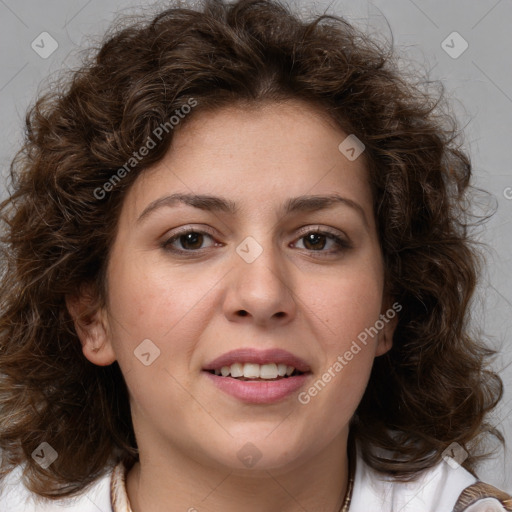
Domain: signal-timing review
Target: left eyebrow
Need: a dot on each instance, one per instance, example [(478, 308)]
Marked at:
[(317, 203), (308, 203)]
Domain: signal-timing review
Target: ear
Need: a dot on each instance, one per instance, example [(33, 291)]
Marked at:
[(91, 325), (388, 317)]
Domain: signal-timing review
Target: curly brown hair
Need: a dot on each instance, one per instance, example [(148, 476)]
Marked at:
[(432, 388)]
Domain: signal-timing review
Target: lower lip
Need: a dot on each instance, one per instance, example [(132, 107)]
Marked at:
[(258, 391)]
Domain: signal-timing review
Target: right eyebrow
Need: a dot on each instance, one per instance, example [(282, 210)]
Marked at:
[(201, 201)]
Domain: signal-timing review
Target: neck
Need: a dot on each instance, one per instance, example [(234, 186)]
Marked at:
[(173, 481)]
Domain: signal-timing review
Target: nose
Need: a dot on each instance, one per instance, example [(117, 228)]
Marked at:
[(260, 290)]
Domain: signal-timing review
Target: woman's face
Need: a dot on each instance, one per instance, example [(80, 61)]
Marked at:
[(252, 275)]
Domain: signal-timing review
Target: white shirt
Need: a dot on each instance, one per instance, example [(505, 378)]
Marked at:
[(435, 490)]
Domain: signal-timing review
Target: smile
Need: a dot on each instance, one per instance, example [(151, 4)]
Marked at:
[(244, 371), (256, 390)]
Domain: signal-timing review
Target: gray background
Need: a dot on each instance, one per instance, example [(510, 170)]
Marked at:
[(478, 83)]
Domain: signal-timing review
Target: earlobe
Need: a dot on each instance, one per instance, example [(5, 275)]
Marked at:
[(389, 317), (384, 344), (91, 326)]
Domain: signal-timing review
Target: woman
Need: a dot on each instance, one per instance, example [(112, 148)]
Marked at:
[(238, 275)]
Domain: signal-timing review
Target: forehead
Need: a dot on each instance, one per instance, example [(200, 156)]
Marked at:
[(256, 154), (260, 126)]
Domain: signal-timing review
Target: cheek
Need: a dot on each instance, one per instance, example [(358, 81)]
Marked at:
[(348, 302), (149, 300), (143, 298), (151, 314), (351, 307)]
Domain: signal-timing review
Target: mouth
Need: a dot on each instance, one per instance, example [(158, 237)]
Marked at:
[(258, 376), (255, 372)]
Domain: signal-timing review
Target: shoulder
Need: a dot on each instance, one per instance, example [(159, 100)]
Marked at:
[(15, 497), (442, 488), (482, 497)]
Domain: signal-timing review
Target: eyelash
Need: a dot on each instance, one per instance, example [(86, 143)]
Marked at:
[(341, 243)]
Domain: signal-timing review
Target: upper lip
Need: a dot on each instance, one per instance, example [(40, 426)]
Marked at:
[(250, 355)]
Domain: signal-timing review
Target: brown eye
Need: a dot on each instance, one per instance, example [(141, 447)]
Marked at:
[(189, 241), (316, 241)]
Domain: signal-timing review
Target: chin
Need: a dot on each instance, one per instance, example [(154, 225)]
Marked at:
[(258, 452)]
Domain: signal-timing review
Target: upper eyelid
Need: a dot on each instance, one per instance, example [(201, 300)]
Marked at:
[(302, 231)]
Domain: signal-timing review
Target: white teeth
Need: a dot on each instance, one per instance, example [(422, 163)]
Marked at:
[(251, 370), (256, 371), (281, 369), (237, 370), (268, 371)]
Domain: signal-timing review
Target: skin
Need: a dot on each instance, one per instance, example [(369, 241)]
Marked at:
[(299, 295)]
